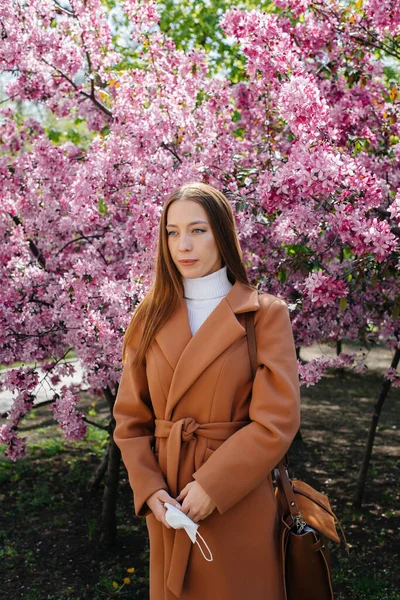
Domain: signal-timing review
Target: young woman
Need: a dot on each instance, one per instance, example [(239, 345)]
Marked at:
[(193, 428)]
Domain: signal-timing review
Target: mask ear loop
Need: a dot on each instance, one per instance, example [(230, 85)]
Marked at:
[(206, 545)]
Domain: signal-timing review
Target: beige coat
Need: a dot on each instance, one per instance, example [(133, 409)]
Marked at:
[(194, 412)]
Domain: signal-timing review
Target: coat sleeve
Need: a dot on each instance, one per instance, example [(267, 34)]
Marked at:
[(134, 433), (242, 461)]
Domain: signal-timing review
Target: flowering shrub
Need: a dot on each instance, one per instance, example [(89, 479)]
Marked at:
[(306, 147)]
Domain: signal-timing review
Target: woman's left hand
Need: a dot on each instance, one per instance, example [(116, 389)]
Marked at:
[(197, 504)]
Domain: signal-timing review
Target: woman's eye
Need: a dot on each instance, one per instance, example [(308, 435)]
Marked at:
[(194, 230)]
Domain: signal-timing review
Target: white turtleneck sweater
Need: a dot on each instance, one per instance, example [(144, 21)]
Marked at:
[(202, 294)]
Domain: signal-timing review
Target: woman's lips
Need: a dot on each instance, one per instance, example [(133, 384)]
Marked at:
[(187, 262)]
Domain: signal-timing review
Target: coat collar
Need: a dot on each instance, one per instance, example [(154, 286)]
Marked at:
[(190, 355)]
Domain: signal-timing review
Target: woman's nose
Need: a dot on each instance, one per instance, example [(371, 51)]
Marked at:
[(184, 243)]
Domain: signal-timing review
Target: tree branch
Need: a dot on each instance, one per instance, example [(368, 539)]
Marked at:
[(60, 8), (82, 237), (90, 96), (172, 150), (103, 427), (32, 245)]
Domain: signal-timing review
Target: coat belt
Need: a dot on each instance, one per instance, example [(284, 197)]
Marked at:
[(177, 432)]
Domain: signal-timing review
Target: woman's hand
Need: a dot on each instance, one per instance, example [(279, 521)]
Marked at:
[(197, 504), (156, 504)]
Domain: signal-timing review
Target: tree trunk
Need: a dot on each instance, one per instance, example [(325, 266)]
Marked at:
[(362, 477), (108, 516), (99, 474)]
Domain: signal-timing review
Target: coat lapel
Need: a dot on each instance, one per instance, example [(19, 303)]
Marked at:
[(190, 355), (175, 334)]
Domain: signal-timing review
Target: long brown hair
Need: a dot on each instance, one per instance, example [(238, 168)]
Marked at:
[(167, 288)]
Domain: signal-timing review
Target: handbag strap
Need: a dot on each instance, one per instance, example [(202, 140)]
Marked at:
[(281, 474), (251, 342)]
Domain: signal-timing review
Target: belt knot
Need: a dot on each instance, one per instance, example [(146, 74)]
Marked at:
[(189, 427)]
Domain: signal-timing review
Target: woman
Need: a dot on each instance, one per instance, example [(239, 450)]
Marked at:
[(193, 428)]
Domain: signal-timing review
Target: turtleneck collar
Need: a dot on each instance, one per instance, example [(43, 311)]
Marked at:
[(214, 285)]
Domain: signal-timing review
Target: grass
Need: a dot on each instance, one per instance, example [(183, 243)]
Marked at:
[(49, 524)]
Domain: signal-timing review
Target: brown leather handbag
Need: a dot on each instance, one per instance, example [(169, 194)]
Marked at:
[(306, 523)]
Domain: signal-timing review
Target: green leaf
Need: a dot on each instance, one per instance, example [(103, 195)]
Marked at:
[(300, 251), (239, 133), (282, 276), (241, 206), (54, 135), (73, 136), (236, 116), (105, 130), (102, 206)]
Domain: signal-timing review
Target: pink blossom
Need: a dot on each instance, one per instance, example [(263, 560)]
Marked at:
[(380, 239), (69, 418), (394, 208), (323, 289), (142, 13), (393, 376), (301, 105), (16, 447), (23, 378), (384, 15), (297, 7), (311, 373), (22, 404)]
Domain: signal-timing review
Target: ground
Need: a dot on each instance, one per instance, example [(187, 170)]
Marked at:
[(49, 524)]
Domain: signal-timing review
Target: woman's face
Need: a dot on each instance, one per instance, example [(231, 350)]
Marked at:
[(191, 241)]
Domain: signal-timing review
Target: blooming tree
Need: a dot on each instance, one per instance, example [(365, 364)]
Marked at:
[(306, 146)]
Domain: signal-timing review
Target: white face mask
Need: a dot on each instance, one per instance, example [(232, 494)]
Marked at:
[(178, 520)]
